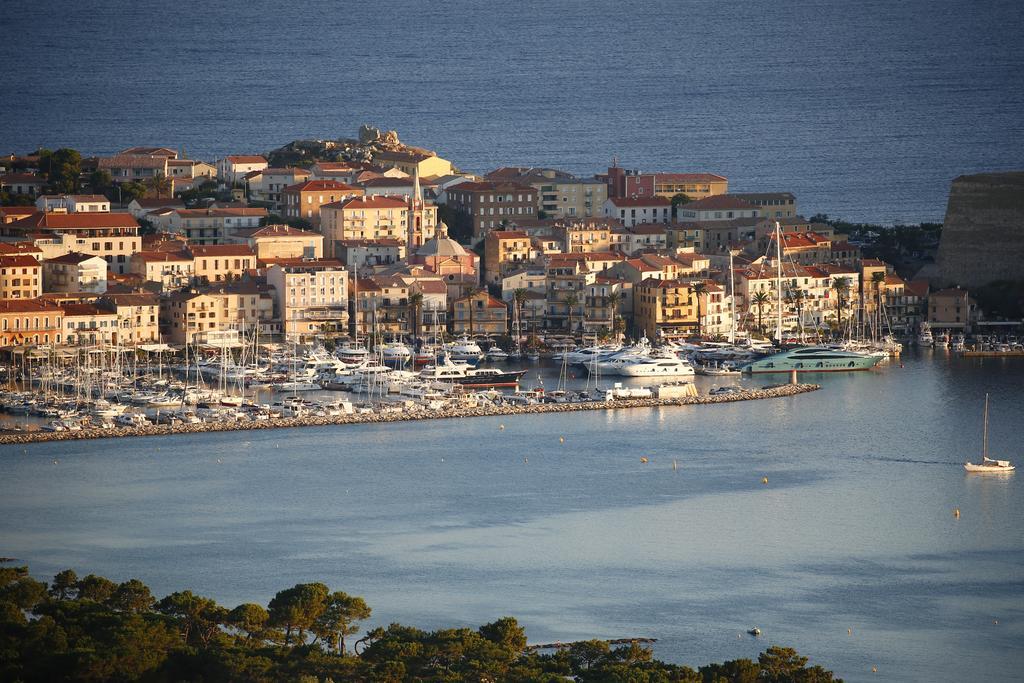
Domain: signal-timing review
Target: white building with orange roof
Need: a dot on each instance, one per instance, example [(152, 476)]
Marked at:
[(303, 201), (232, 168), (75, 272), (20, 276), (717, 208), (281, 241), (635, 210)]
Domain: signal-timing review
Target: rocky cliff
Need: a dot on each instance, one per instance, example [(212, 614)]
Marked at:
[(983, 234)]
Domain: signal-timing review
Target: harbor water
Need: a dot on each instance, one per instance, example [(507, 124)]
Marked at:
[(851, 552)]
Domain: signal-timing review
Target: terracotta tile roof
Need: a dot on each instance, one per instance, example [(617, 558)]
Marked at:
[(276, 230), (167, 202), (717, 202), (74, 310), (150, 151), (76, 221), (221, 250), (245, 159), (385, 181), (320, 186), (688, 178), (641, 201), (377, 201), (382, 242), (27, 306), (21, 179), (508, 235), (222, 213), (161, 256), (490, 186), (132, 299), (19, 248), (73, 258), (18, 261), (133, 161)]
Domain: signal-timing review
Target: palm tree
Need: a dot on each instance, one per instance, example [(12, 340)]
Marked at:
[(158, 184), (841, 285), (761, 299), (612, 301), (518, 299), (571, 301), (698, 288), (470, 293), (415, 304)]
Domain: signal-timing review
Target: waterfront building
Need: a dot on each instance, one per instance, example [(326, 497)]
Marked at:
[(303, 201), (479, 313), (666, 309), (605, 306), (233, 168), (219, 262), (624, 182), (492, 205), (380, 304), (75, 272), (25, 322), (635, 210), (951, 309), (717, 208), (86, 324), (775, 205), (138, 316), (310, 297), (531, 277), (188, 316), (20, 276), (113, 236)]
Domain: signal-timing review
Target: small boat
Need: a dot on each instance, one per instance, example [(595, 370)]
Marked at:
[(496, 353), (987, 464), (925, 337), (754, 631)]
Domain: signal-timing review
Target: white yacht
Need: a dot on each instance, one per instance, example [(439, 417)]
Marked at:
[(496, 354), (396, 353), (654, 366), (352, 354), (987, 464), (814, 359), (925, 338), (466, 349)]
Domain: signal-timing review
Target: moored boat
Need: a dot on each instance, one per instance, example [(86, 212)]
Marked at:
[(814, 359)]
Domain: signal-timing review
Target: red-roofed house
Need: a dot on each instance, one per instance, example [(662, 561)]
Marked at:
[(219, 262), (231, 169), (89, 324), (75, 272), (304, 200), (29, 322), (114, 236), (373, 218), (20, 277), (624, 182), (268, 184), (281, 241), (214, 225), (491, 204), (22, 183)]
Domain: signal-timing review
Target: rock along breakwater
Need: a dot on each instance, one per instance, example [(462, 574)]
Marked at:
[(449, 412)]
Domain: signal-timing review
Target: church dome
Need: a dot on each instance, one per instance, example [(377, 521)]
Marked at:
[(441, 244)]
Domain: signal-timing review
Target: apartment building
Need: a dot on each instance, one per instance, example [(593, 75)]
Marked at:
[(112, 236), (25, 322), (310, 297), (20, 277), (75, 272), (492, 205), (303, 201)]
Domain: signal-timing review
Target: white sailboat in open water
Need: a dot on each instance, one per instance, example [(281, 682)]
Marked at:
[(987, 464)]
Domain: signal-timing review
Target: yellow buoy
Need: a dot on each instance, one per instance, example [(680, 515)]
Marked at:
[(561, 439), (764, 480), (956, 512), (643, 459)]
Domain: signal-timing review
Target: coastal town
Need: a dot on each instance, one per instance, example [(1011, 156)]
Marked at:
[(149, 279)]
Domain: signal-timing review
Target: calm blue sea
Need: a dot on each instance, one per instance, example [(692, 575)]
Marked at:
[(446, 522), (865, 109)]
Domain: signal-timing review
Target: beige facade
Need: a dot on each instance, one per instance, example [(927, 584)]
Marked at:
[(113, 236), (282, 242), (220, 262), (375, 218), (304, 200), (664, 308), (86, 324), (311, 297), (479, 313), (427, 164), (187, 317), (173, 270), (75, 272), (20, 277), (504, 251), (30, 322), (138, 317)]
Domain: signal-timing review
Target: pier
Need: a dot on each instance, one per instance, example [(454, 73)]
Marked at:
[(421, 413)]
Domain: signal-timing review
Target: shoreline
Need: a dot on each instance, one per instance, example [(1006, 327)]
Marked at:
[(16, 438)]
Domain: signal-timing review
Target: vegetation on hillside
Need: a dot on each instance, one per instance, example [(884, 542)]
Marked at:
[(92, 629)]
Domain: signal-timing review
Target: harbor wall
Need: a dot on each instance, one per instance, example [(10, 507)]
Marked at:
[(14, 438)]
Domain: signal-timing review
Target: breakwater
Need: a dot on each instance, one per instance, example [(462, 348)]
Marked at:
[(448, 412)]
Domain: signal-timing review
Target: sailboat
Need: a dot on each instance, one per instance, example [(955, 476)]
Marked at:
[(988, 465)]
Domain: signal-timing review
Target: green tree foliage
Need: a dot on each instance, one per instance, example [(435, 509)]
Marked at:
[(63, 169), (92, 629)]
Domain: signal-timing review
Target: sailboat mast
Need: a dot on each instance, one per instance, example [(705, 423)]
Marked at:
[(984, 438), (732, 301), (778, 279)]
